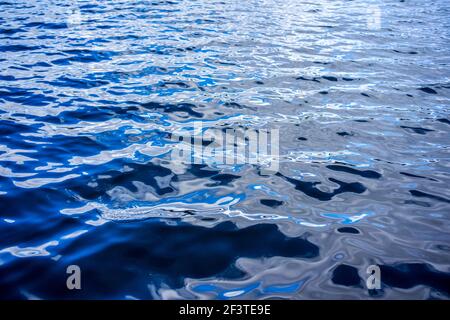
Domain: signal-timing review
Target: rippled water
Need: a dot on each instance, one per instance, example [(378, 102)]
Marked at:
[(90, 92)]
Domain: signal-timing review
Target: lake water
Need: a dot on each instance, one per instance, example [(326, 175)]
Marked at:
[(92, 93)]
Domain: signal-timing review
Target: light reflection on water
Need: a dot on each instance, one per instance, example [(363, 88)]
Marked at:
[(90, 92)]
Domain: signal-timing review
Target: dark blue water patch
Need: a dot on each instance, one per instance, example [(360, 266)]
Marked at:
[(33, 230), (11, 31), (34, 207), (221, 293), (58, 148), (65, 81), (346, 275), (350, 230), (168, 84), (271, 202), (100, 113), (70, 146), (443, 120), (428, 90), (145, 173), (290, 288), (5, 183), (10, 127), (222, 179), (189, 108), (88, 112), (84, 56), (344, 133), (417, 130), (306, 79), (25, 96), (47, 25), (418, 203), (18, 48), (442, 247), (421, 194)]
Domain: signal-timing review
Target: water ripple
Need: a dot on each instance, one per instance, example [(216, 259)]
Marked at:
[(93, 93)]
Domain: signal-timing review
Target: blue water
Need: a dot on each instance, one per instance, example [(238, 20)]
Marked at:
[(91, 92)]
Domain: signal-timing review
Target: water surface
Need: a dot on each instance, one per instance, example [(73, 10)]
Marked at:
[(91, 91)]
